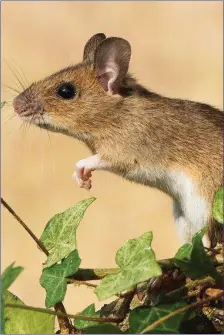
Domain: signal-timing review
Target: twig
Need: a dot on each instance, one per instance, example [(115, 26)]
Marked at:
[(90, 285), (63, 319), (97, 274), (64, 323), (178, 290), (61, 314), (93, 274), (180, 310), (125, 305), (11, 211), (167, 264), (192, 284), (79, 283), (200, 282), (214, 251)]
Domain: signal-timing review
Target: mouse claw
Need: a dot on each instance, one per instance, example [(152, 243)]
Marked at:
[(88, 186), (85, 182)]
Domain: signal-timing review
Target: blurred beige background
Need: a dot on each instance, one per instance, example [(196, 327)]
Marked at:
[(177, 51)]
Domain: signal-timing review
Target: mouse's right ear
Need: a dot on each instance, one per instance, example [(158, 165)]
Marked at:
[(91, 45), (111, 63)]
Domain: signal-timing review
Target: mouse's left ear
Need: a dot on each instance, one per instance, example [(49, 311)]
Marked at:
[(111, 63), (91, 45)]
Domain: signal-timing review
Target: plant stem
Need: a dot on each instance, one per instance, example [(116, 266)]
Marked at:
[(193, 284), (58, 313), (97, 274), (166, 264), (63, 321), (180, 310), (79, 283), (93, 274), (178, 290), (11, 211), (125, 305)]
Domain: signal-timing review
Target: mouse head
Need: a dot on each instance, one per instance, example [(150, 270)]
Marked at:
[(72, 99)]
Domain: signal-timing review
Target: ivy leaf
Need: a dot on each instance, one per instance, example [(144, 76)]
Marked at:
[(191, 258), (218, 203), (21, 321), (9, 276), (102, 329), (54, 281), (88, 311), (93, 327), (140, 318), (3, 104), (59, 235), (137, 263), (197, 324)]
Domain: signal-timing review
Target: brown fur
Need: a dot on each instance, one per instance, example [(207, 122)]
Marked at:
[(135, 126)]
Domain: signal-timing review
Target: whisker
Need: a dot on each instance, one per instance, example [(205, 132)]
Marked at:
[(30, 124), (9, 118), (23, 76), (42, 151), (16, 75), (17, 89), (13, 89), (52, 151), (24, 129), (9, 103), (12, 132), (6, 102), (27, 126), (21, 127)]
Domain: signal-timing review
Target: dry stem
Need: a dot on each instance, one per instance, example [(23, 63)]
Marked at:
[(180, 310), (63, 320)]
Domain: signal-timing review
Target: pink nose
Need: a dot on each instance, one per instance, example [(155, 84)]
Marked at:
[(17, 104)]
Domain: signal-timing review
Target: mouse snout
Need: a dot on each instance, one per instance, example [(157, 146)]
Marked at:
[(26, 107), (18, 105)]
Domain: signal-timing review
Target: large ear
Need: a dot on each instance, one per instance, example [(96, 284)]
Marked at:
[(111, 63), (91, 45)]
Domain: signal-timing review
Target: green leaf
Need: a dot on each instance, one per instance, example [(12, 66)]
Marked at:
[(197, 324), (191, 258), (3, 104), (54, 281), (142, 317), (137, 263), (102, 329), (9, 276), (218, 203), (59, 235), (89, 311), (21, 321)]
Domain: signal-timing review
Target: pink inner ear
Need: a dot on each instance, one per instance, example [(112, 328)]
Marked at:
[(103, 80), (108, 78)]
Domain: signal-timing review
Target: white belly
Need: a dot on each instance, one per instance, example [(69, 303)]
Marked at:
[(193, 207)]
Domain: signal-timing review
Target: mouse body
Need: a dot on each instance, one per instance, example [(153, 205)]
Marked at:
[(170, 144)]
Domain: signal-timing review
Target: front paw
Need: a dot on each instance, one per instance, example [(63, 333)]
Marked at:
[(87, 184), (82, 177)]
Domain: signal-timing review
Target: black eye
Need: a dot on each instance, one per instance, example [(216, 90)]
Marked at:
[(66, 91)]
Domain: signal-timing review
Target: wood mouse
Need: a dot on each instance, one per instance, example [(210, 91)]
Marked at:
[(170, 144)]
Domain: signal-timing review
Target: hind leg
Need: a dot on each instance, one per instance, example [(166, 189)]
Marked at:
[(181, 224), (185, 228)]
